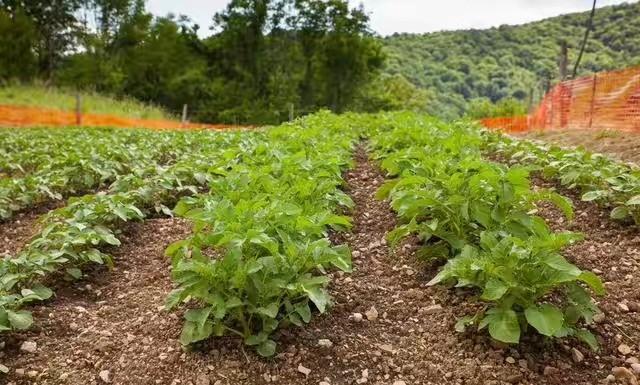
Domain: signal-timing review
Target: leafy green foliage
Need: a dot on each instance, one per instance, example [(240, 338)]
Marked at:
[(73, 236), (48, 165), (511, 61), (602, 180), (259, 251), (479, 216), (263, 57)]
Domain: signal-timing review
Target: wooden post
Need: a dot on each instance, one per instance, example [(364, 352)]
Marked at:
[(593, 100), (184, 113), (563, 61), (78, 109), (291, 112)]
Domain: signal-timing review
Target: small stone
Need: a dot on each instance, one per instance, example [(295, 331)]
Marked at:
[(610, 379), (324, 343), (63, 376), (324, 383), (510, 360), (356, 317), (577, 355), (19, 372), (550, 370), (431, 309), (372, 314), (105, 376), (399, 383), (599, 318), (632, 360), (634, 307), (203, 379), (29, 346), (32, 374), (387, 348), (623, 307), (624, 374), (516, 378), (624, 349), (304, 370), (636, 368)]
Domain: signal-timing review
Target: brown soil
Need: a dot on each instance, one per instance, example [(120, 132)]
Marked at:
[(621, 145), (16, 232), (113, 322)]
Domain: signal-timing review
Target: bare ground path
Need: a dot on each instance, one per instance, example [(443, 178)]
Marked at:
[(112, 324)]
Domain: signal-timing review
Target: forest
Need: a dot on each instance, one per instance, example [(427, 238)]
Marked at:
[(267, 60), (263, 60), (464, 69)]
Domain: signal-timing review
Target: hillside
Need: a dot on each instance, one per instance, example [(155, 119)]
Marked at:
[(511, 61)]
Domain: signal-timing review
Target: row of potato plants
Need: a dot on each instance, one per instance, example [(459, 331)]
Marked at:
[(75, 235), (610, 183), (480, 217), (259, 253), (77, 162)]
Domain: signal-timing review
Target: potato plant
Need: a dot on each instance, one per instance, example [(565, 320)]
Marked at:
[(74, 235), (259, 253), (609, 183), (480, 216)]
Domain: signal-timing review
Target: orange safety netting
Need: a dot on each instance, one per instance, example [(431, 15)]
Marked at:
[(608, 100), (19, 116)]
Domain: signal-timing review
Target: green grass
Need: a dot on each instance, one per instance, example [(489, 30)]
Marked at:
[(63, 99)]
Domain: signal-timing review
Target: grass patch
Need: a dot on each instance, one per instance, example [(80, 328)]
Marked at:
[(65, 99)]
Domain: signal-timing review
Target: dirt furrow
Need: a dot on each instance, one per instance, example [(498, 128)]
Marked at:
[(386, 326)]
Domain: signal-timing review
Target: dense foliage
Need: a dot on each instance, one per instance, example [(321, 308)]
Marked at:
[(609, 183), (480, 216), (72, 236), (259, 251), (265, 59), (511, 61)]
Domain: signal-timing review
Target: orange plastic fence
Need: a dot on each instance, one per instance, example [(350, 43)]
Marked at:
[(19, 116), (608, 100)]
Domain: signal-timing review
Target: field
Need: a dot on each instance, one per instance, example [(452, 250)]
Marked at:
[(352, 249)]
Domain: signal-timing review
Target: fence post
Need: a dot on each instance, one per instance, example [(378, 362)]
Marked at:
[(78, 109), (184, 113), (593, 100), (291, 112)]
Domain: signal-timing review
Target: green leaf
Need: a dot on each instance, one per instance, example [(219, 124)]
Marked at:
[(270, 310), (503, 325), (620, 212), (267, 348), (594, 282), (593, 195), (74, 272), (494, 290), (588, 338), (546, 319), (635, 200), (20, 320)]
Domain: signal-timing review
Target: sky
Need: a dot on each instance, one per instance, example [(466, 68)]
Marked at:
[(416, 16)]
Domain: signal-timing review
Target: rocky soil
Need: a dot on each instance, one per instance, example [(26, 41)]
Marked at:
[(386, 326)]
